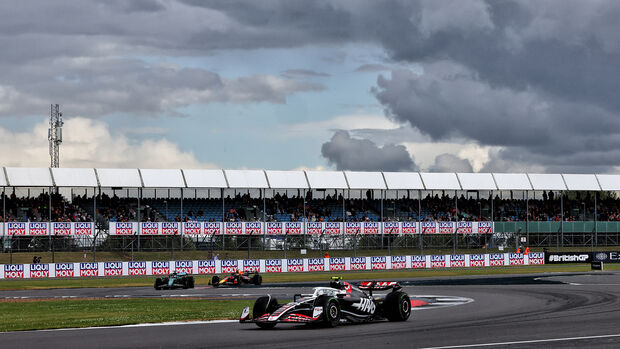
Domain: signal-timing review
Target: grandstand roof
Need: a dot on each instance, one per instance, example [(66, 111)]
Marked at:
[(287, 179), (265, 179), (205, 178)]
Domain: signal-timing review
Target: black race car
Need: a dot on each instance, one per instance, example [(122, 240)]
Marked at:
[(238, 278), (340, 302), (174, 280)]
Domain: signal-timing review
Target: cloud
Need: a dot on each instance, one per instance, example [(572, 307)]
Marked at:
[(303, 73), (100, 86), (372, 68), (450, 163), (347, 153), (91, 143)]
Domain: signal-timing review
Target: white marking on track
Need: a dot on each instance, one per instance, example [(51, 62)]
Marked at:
[(175, 323), (565, 339)]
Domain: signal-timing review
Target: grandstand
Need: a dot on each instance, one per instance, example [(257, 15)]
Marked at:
[(547, 209)]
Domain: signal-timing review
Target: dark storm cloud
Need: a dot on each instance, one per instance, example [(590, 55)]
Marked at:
[(363, 155)]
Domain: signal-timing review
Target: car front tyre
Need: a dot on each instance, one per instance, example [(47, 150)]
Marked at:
[(397, 306), (264, 305)]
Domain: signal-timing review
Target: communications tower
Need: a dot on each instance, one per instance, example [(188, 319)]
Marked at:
[(54, 134)]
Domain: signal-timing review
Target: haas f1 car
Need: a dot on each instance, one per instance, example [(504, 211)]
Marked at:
[(238, 278), (174, 280), (340, 302)]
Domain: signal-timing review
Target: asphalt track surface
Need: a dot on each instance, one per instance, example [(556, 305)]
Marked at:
[(557, 311)]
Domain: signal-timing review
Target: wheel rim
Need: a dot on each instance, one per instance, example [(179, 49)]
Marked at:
[(333, 311), (405, 306)]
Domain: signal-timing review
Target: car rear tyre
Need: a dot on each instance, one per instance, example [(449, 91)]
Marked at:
[(257, 279), (185, 283), (215, 281), (191, 282), (397, 306), (331, 310), (158, 283), (264, 305)]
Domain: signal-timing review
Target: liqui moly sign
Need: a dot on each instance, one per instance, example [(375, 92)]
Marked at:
[(332, 228), (294, 265), (476, 260), (112, 268), (149, 228), (234, 228), (457, 260), (214, 228), (229, 265), (136, 268), (358, 263), (13, 271), (89, 269), (274, 228), (64, 270), (353, 228), (170, 228), (253, 228), (418, 262), (160, 267), (337, 263), (206, 267), (83, 228), (123, 228), (371, 228), (37, 229), (314, 228), (378, 263), (438, 261), (16, 228), (316, 264), (39, 270), (273, 265), (61, 228), (410, 228), (251, 265), (184, 267), (391, 228), (399, 262), (293, 228), (192, 228)]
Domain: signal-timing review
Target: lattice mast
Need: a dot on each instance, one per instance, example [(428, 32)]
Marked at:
[(54, 134)]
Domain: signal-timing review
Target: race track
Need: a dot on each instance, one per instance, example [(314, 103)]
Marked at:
[(560, 311)]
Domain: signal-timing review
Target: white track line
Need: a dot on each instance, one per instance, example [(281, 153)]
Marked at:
[(566, 339), (175, 323)]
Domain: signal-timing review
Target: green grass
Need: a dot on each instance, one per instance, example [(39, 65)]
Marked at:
[(30, 284), (46, 314)]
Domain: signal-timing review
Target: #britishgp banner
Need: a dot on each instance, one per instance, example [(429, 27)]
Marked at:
[(123, 228), (427, 227), (170, 228), (314, 228), (254, 228), (372, 228), (61, 229), (193, 228), (391, 228), (293, 228), (38, 229), (234, 228), (274, 228), (351, 228), (212, 228), (332, 228), (446, 227), (149, 228)]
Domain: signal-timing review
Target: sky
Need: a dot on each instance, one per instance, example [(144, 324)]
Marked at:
[(366, 85)]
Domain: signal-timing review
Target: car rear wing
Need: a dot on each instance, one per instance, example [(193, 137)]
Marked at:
[(379, 285)]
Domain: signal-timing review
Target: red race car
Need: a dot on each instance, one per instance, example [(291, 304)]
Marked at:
[(237, 278)]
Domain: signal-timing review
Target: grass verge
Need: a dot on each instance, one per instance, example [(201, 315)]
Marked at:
[(47, 314), (31, 284)]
